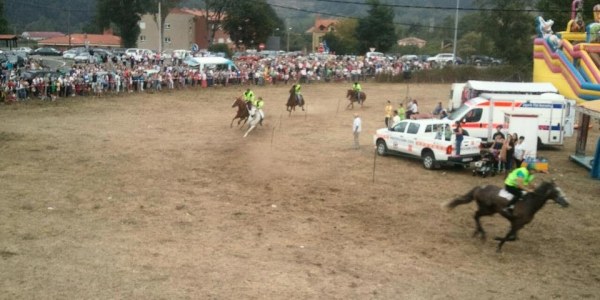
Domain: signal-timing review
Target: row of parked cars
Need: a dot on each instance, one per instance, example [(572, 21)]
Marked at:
[(443, 59)]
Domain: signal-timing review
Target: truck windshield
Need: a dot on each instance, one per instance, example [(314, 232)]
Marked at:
[(459, 113)]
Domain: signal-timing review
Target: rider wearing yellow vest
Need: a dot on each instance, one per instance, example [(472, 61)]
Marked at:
[(517, 181), (357, 89), (249, 96), (259, 105), (297, 92)]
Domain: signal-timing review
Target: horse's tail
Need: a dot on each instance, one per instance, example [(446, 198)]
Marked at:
[(464, 199)]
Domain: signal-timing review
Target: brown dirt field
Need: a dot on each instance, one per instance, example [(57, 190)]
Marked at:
[(153, 196)]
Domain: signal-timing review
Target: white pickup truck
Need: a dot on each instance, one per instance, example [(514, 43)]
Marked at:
[(431, 140)]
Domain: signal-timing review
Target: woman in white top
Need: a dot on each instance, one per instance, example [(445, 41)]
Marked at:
[(519, 153)]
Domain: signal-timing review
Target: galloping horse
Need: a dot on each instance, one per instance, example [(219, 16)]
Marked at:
[(253, 119), (242, 112), (351, 95), (293, 102), (490, 202)]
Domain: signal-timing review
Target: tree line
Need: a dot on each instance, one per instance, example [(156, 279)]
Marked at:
[(501, 28)]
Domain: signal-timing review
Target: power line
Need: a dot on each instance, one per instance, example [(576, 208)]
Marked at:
[(23, 3), (448, 8), (357, 18)]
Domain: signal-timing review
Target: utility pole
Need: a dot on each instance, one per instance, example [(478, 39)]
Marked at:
[(69, 24), (455, 33), (159, 28)]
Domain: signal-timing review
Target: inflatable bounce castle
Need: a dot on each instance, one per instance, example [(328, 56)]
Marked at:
[(569, 59)]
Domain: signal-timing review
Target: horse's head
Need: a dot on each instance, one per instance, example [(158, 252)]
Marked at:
[(238, 101), (349, 93), (554, 192)]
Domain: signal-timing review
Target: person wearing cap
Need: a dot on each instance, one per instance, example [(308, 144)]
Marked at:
[(516, 182)]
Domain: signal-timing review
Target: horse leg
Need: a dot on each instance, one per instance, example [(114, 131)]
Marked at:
[(511, 232), (249, 129), (231, 125), (479, 230)]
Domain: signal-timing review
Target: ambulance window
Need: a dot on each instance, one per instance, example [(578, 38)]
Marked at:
[(474, 115), (413, 128)]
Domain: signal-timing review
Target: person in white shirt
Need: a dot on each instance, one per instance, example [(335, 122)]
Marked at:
[(356, 129)]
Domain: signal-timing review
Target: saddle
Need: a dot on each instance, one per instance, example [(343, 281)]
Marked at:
[(505, 194)]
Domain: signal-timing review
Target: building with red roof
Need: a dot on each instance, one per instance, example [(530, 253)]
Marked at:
[(105, 40), (318, 31)]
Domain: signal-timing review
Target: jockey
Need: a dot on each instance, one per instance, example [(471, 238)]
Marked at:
[(259, 105), (249, 97), (297, 92), (517, 181), (357, 89)]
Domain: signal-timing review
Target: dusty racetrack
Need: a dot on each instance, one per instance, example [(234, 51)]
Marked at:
[(153, 196)]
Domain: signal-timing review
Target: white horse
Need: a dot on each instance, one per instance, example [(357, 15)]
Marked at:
[(254, 119)]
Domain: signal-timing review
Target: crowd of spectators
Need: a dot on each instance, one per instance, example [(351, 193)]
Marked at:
[(125, 75)]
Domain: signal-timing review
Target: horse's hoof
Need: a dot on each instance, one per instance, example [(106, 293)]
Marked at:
[(498, 238)]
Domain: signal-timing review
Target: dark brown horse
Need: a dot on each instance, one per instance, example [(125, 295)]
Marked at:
[(242, 112), (489, 202), (352, 96), (293, 102)]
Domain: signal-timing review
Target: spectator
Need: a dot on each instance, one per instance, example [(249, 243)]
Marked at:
[(438, 109), (356, 129), (519, 152), (388, 114), (498, 133), (396, 119), (458, 131)]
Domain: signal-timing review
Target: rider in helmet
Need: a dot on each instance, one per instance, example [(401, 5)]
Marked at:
[(297, 93), (518, 180), (357, 89), (259, 105), (249, 97)]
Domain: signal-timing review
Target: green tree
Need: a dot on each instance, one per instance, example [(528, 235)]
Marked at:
[(560, 12), (377, 29), (216, 13), (125, 17), (250, 22), (3, 22), (510, 28), (343, 39)]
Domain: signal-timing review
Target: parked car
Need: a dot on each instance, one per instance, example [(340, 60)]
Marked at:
[(482, 60), (443, 59), (47, 51), (24, 49), (84, 57), (70, 54)]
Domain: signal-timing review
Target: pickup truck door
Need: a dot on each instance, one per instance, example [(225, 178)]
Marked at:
[(410, 139), (397, 137)]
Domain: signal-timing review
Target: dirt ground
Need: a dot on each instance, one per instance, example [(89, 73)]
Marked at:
[(154, 196)]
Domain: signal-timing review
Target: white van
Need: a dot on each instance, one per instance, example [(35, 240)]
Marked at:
[(375, 55), (481, 115), (211, 63), (461, 92)]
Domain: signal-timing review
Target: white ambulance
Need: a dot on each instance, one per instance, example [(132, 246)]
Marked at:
[(461, 92), (481, 115)]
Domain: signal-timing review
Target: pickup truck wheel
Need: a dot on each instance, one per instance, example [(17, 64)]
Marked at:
[(428, 160), (381, 148)]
